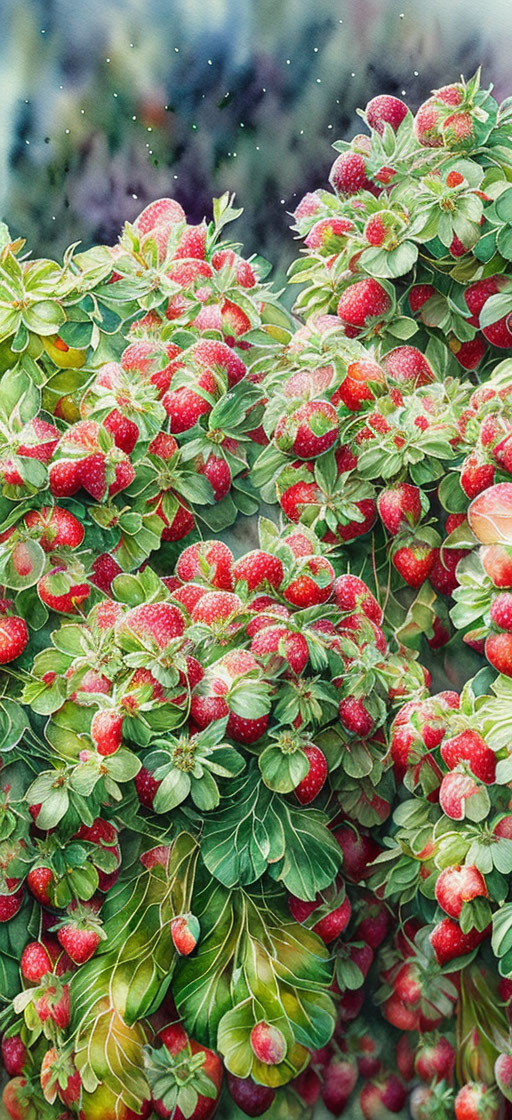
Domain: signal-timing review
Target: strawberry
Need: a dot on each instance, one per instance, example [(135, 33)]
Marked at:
[(405, 1058), (348, 174), (107, 730), (455, 793), (448, 941), (501, 611), (35, 962), (476, 1101), (184, 407), (14, 1054), (228, 259), (359, 851), (38, 440), (363, 302), (497, 563), (104, 570), (384, 109), (419, 295), (399, 507), (287, 646), (312, 585), (476, 475), (503, 1074), (309, 788), (218, 472), (498, 651), (40, 881), (434, 1059), (414, 563), (350, 593), (216, 606), (162, 210), (457, 885), (172, 1071), (13, 637), (375, 925), (251, 1098), (211, 561), (60, 1076), (309, 431), (146, 786), (124, 431), (185, 931), (268, 1044), (152, 624), (16, 1099), (355, 718), (56, 527), (499, 333), (407, 366), (53, 1003), (443, 573), (468, 354), (259, 570), (58, 590), (339, 1080), (297, 497), (333, 924), (363, 377), (79, 939), (380, 1095), (192, 242), (477, 294), (469, 746)]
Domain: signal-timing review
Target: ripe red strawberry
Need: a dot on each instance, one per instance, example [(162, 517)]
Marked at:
[(185, 931), (363, 376), (218, 472), (107, 730), (252, 1098), (468, 354), (477, 1101), (339, 1080), (476, 475), (153, 623), (435, 1059), (35, 962), (455, 793), (146, 786), (287, 646), (40, 881), (14, 1054), (448, 941), (382, 1094), (499, 333), (355, 718), (59, 1076), (184, 407), (216, 606), (124, 431), (498, 651), (309, 431), (501, 610), (315, 779), (442, 576), (13, 637), (407, 366), (104, 570), (348, 174), (56, 527), (11, 900), (457, 885), (329, 234), (244, 272), (419, 295), (376, 923), (477, 294), (211, 561), (359, 851), (58, 590), (414, 563), (399, 507), (79, 939), (296, 499), (259, 569), (469, 746), (162, 210), (350, 593), (268, 1043), (384, 109), (313, 583), (363, 302)]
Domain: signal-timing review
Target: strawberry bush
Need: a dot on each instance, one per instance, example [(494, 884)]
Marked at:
[(254, 854)]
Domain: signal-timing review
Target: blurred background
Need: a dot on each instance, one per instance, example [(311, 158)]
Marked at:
[(107, 104)]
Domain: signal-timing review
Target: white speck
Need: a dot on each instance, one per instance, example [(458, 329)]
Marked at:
[(353, 74), (175, 176), (282, 202), (27, 141), (67, 131), (149, 128), (318, 81), (288, 60), (43, 31), (301, 132), (401, 15), (329, 126), (134, 118), (135, 196), (210, 63), (242, 124), (176, 50), (264, 89), (415, 72), (403, 92), (61, 87), (315, 50), (114, 95), (82, 111), (27, 101), (257, 147), (53, 218), (107, 60)]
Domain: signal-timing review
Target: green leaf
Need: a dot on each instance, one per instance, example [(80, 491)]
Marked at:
[(283, 772)]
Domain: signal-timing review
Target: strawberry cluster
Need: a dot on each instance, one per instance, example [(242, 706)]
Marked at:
[(179, 709)]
